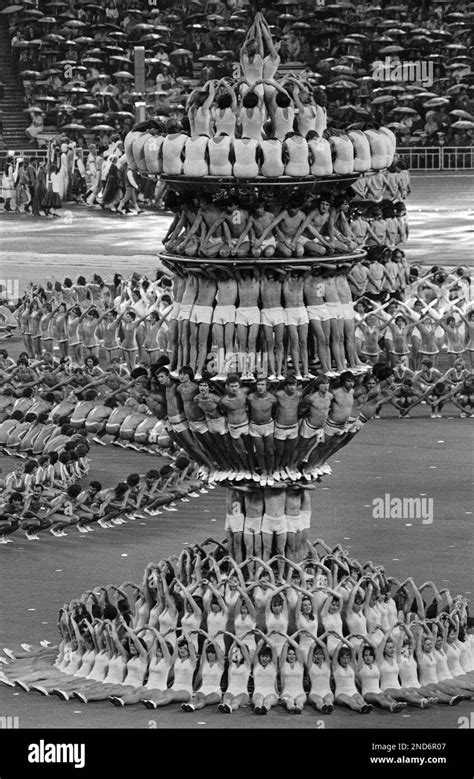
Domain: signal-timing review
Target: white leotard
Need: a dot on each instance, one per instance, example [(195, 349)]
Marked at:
[(153, 153), (264, 679), (357, 623), (306, 121), (272, 165), (224, 121), (442, 668), (277, 622), (332, 622), (311, 625), (218, 149), (88, 660), (320, 678), (389, 671), (190, 622), (135, 672), (238, 679), (322, 159), (215, 622), (408, 671), (361, 150), (245, 165), (344, 679), (292, 680), (168, 622), (344, 161), (116, 671), (241, 626), (370, 678), (195, 163), (183, 675), (283, 121), (99, 670), (171, 150), (378, 149), (158, 673), (454, 659), (298, 164), (252, 124), (211, 678), (427, 668)]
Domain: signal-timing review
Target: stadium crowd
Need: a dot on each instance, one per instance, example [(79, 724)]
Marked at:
[(75, 60)]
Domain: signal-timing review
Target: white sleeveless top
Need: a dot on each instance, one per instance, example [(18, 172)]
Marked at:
[(322, 159), (153, 153), (264, 679), (138, 151), (370, 678), (219, 163), (283, 121), (320, 678), (298, 164), (361, 150), (345, 681), (135, 672), (211, 678), (252, 125), (292, 680), (442, 667), (277, 622), (344, 161), (321, 119), (408, 671), (99, 670), (183, 675), (195, 163), (332, 622), (306, 121), (454, 659), (158, 673), (245, 165), (215, 622), (427, 667), (238, 679), (389, 674), (272, 165), (203, 122), (241, 626), (116, 670), (378, 149), (172, 148), (88, 660), (224, 121)]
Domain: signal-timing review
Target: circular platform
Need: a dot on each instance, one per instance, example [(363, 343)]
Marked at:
[(251, 262)]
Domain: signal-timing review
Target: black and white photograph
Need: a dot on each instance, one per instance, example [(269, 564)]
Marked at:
[(236, 380)]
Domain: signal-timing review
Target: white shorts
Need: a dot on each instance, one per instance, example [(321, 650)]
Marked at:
[(269, 241), (293, 524), (247, 316), (184, 311), (334, 428), (283, 433), (201, 315), (178, 423), (296, 316), (275, 525), (257, 430), (305, 520), (218, 425), (236, 431), (253, 525), (318, 312), (334, 310), (234, 523), (224, 315), (198, 425), (309, 431), (273, 316), (347, 310)]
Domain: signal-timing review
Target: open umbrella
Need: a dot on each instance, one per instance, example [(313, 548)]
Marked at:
[(462, 114), (73, 126), (96, 117), (181, 53), (74, 23), (123, 74), (12, 9), (92, 61), (124, 114), (343, 85), (435, 102), (102, 128), (28, 74), (87, 107), (391, 49), (403, 109), (463, 124), (121, 58), (382, 99), (210, 58)]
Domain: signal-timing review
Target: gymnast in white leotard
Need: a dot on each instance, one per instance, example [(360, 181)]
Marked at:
[(318, 667), (264, 672)]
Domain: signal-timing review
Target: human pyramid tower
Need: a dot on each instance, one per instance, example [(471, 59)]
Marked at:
[(260, 393), (260, 249)]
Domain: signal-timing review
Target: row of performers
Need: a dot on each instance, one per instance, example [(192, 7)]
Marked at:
[(204, 226), (257, 435), (275, 311), (293, 155)]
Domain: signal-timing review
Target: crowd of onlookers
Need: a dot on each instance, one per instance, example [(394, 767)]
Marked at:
[(76, 62)]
